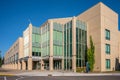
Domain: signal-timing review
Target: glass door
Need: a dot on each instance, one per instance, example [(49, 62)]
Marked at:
[(57, 65), (46, 65)]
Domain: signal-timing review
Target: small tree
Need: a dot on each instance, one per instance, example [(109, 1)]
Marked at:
[(90, 55)]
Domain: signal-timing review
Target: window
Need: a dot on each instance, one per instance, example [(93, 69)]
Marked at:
[(107, 34), (107, 48), (55, 50), (33, 37), (36, 53), (107, 63), (54, 35), (33, 53), (39, 53)]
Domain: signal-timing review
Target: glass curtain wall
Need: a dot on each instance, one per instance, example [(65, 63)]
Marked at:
[(57, 39), (36, 38), (68, 46), (81, 43), (57, 45), (45, 37)]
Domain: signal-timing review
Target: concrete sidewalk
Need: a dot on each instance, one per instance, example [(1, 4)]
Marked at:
[(37, 73), (10, 72)]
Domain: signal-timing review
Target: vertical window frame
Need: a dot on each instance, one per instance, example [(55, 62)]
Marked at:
[(107, 34), (107, 48), (108, 64)]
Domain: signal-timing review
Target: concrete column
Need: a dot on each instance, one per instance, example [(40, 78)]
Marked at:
[(63, 64), (23, 65), (18, 65), (51, 63), (12, 65), (42, 65), (9, 66), (15, 65), (29, 64), (51, 46), (74, 44)]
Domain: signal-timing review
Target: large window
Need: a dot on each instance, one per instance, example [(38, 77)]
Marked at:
[(57, 39), (16, 56), (36, 53), (107, 63), (81, 41), (36, 39), (107, 46), (45, 37), (68, 46), (107, 34)]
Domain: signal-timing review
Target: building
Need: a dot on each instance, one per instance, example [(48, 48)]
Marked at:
[(61, 43), (12, 56)]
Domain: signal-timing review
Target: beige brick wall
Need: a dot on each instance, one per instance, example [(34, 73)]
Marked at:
[(109, 20), (92, 18), (17, 47), (99, 18)]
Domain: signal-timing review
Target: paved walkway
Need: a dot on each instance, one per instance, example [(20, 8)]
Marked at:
[(46, 73)]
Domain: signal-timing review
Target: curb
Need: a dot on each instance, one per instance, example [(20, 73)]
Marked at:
[(6, 74)]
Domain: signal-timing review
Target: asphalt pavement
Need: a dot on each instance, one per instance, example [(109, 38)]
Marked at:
[(60, 78), (55, 75)]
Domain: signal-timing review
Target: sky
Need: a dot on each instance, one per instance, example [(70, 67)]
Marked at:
[(15, 15)]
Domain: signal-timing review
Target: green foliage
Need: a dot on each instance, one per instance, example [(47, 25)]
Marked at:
[(80, 69), (90, 54)]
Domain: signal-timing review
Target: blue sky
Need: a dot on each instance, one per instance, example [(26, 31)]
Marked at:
[(15, 14)]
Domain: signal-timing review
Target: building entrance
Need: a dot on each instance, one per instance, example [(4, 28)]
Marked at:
[(46, 65), (57, 65), (36, 65)]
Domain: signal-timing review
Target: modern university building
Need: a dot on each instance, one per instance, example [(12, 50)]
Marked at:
[(61, 43)]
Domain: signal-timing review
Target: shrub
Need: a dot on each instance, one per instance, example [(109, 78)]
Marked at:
[(80, 69)]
